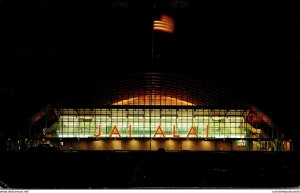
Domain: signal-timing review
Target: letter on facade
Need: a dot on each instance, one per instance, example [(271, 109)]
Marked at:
[(192, 132), (174, 132), (99, 133), (115, 131), (159, 131)]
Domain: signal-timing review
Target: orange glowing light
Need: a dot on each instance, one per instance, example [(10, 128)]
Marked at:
[(165, 24), (154, 100)]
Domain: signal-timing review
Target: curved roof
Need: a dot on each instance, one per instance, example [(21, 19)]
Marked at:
[(159, 88)]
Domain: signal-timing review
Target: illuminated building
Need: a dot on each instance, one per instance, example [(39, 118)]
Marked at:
[(152, 111)]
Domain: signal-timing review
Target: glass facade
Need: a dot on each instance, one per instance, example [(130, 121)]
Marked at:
[(145, 123)]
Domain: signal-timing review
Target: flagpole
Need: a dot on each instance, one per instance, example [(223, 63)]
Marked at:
[(152, 50)]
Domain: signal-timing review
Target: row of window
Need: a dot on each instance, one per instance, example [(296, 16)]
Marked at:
[(142, 128), (214, 123), (153, 112)]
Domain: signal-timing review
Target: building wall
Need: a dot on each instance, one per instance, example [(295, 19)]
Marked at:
[(207, 145), (139, 145), (223, 145), (238, 145), (178, 144)]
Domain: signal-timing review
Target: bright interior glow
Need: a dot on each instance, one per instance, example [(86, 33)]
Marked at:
[(145, 122), (153, 100)]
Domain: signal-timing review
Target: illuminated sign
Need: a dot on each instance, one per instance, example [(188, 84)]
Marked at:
[(159, 132)]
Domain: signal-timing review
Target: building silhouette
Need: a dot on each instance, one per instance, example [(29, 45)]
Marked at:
[(151, 111)]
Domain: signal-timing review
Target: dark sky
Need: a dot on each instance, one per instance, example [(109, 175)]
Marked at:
[(50, 48)]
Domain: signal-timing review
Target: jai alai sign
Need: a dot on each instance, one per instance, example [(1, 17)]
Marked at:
[(158, 132)]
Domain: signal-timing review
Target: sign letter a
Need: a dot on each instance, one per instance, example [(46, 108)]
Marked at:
[(192, 132), (159, 131), (115, 131)]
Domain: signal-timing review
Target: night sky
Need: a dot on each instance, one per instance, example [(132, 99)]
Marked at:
[(52, 48)]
